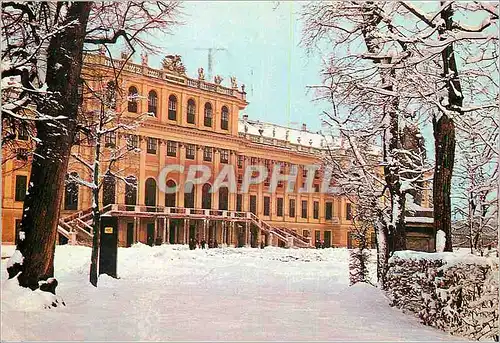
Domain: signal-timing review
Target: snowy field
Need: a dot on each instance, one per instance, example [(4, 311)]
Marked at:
[(171, 293)]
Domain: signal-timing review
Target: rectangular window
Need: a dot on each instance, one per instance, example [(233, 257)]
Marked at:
[(253, 204), (207, 154), (316, 210), (304, 172), (240, 179), (152, 145), (240, 161), (21, 182), (132, 141), (171, 148), (253, 161), (110, 139), (328, 210), (291, 208), (279, 207), (190, 151), (348, 211), (224, 156), (239, 202), (304, 209), (267, 204)]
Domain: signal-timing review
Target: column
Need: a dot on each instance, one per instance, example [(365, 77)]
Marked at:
[(199, 188), (167, 229), (136, 229), (215, 172), (205, 226), (247, 234), (182, 178), (164, 237), (142, 171), (163, 153), (232, 195)]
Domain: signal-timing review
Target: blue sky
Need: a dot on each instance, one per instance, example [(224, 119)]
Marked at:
[(263, 52)]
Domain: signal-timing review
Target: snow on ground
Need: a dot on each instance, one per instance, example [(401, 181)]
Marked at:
[(172, 293)]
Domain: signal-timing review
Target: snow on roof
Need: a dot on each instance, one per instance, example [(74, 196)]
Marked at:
[(295, 136)]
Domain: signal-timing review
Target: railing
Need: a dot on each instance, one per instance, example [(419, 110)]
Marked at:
[(79, 220)]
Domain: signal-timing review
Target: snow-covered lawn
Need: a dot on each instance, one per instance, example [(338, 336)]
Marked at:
[(171, 293)]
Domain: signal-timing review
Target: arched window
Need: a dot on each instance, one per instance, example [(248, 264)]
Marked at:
[(71, 192), (189, 196), (150, 192), (108, 190), (224, 119), (170, 197), (206, 197), (153, 103), (132, 99), (191, 111), (172, 107), (208, 115), (223, 198), (130, 192), (111, 94)]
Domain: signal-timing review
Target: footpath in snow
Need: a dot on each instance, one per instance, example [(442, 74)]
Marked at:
[(172, 293)]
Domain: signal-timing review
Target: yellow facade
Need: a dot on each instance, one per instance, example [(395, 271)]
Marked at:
[(239, 141)]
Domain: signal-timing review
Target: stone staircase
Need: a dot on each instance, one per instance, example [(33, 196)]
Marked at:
[(77, 228)]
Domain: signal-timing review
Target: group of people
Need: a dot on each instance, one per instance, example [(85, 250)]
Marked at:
[(195, 244), (212, 243), (319, 244)]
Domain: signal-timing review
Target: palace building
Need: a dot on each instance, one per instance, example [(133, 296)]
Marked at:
[(189, 121)]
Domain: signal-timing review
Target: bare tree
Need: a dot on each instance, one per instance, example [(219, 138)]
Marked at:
[(102, 128), (43, 56), (417, 55), (361, 80), (476, 181)]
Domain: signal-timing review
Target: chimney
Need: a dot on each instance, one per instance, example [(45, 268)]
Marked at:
[(304, 127), (245, 117)]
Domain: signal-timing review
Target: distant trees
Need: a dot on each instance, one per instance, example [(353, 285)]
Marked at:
[(44, 44)]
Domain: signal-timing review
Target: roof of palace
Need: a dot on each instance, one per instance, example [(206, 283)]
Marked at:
[(301, 137)]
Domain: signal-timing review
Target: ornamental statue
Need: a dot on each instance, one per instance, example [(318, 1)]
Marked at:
[(234, 83), (174, 64), (242, 88), (144, 59), (218, 79), (201, 74), (124, 55)]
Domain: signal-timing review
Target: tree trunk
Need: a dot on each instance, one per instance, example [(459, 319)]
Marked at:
[(48, 172), (444, 134), (382, 254), (96, 219)]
